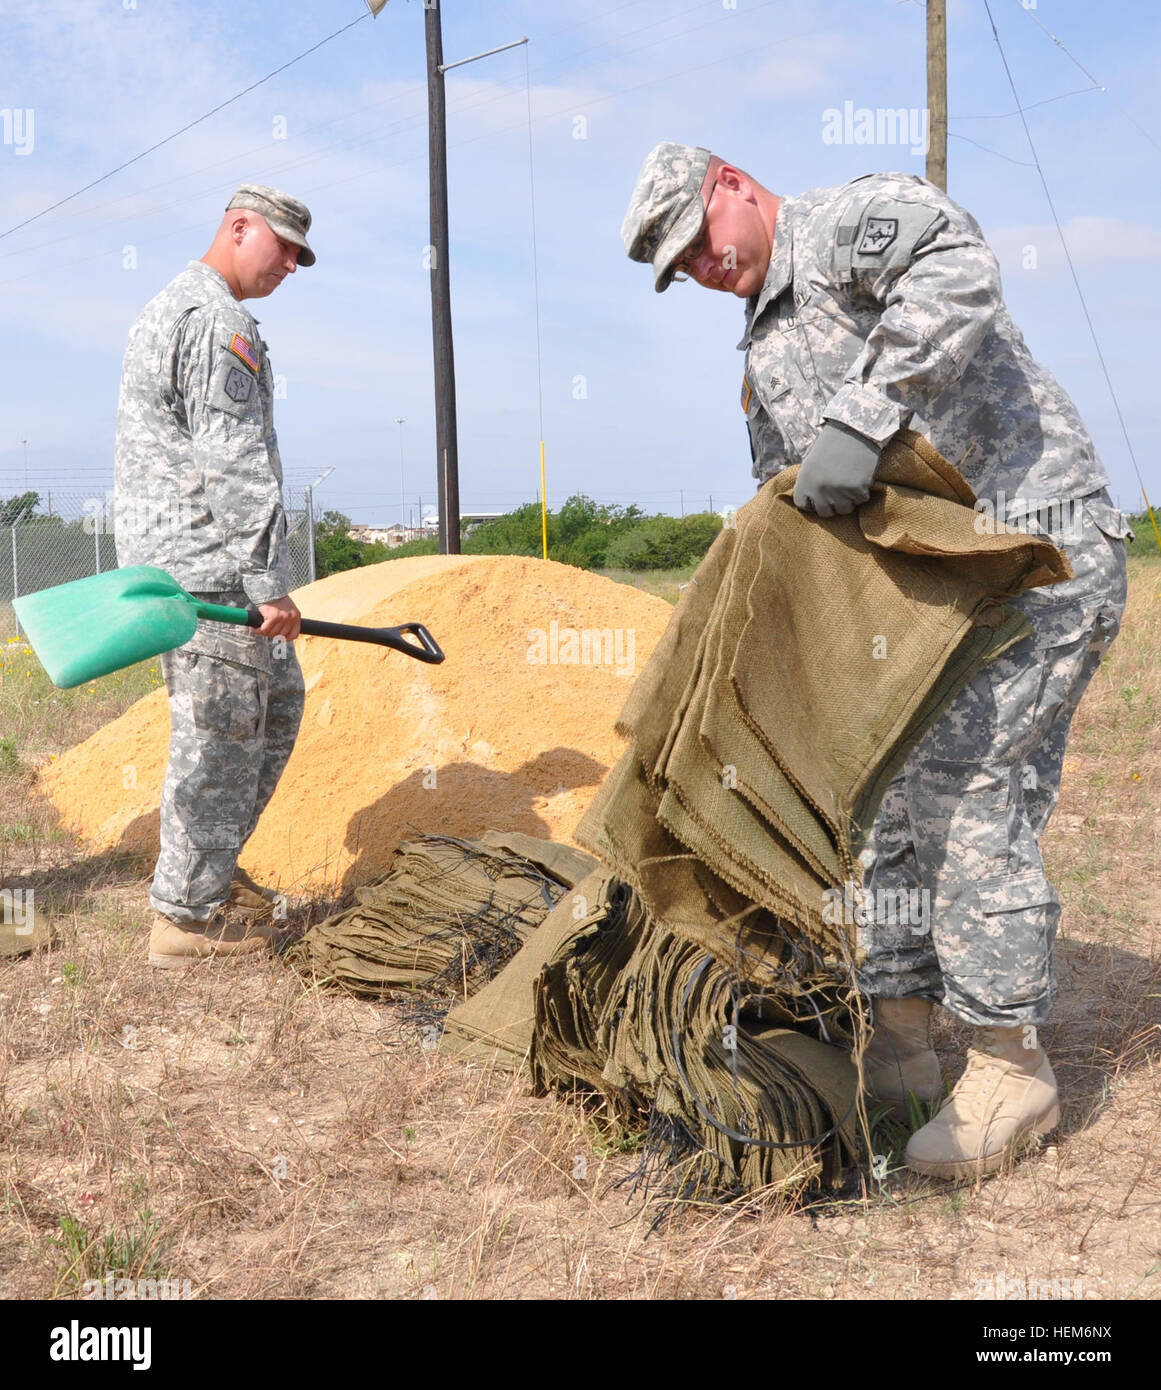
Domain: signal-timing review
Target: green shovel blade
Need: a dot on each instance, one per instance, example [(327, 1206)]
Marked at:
[(93, 626)]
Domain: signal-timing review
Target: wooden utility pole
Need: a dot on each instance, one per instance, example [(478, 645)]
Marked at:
[(447, 460), (937, 92), (446, 444)]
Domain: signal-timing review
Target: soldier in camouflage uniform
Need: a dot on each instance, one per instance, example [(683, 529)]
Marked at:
[(873, 307), (199, 493)]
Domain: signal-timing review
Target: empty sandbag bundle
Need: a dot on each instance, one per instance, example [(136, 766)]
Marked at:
[(448, 915)]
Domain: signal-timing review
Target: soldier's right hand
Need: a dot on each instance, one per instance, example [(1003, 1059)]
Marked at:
[(836, 471), (280, 618)]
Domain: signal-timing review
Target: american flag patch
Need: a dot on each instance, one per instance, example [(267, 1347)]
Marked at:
[(241, 348)]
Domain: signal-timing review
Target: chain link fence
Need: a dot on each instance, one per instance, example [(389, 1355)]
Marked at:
[(71, 535)]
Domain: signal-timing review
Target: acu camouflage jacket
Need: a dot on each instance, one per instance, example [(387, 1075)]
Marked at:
[(198, 478), (881, 309)]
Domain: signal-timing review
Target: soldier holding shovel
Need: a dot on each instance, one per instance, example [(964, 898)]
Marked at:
[(199, 494)]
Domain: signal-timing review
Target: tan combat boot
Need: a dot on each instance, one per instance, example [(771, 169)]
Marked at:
[(174, 944), (1003, 1100), (899, 1060), (251, 896)]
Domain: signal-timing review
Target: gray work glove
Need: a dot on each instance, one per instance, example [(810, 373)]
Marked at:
[(836, 473)]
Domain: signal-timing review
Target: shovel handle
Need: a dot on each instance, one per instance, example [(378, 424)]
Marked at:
[(428, 650), (393, 637)]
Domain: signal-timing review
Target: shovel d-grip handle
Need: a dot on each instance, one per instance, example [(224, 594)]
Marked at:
[(393, 637), (429, 649)]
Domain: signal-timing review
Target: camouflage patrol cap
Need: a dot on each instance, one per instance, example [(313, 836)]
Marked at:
[(666, 212), (287, 217)]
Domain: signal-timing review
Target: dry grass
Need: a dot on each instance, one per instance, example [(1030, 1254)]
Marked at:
[(228, 1126), (666, 584)]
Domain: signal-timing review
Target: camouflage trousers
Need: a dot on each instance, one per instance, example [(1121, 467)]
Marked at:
[(235, 704), (957, 907)]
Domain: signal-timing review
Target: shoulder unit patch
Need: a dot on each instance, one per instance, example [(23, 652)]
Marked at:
[(878, 234), (238, 385)]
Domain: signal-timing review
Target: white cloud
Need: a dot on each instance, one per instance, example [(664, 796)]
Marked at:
[(1092, 241), (805, 67)]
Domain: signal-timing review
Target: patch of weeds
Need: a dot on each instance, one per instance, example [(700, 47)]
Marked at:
[(1149, 1273), (889, 1135), (608, 1137), (91, 1254), (9, 758), (19, 831), (952, 1204), (72, 974), (136, 1187)]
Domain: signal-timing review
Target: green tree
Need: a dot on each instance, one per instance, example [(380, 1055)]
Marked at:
[(425, 545), (335, 548), (588, 534), (1146, 538), (10, 510), (586, 529), (514, 533), (664, 542)]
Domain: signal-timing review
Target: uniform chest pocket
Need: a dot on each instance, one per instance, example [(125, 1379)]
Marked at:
[(789, 412)]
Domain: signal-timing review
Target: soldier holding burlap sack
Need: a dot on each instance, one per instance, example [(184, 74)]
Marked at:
[(199, 494), (872, 308)]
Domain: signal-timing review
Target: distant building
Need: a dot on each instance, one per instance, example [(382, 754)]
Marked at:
[(468, 520), (396, 534), (382, 535)]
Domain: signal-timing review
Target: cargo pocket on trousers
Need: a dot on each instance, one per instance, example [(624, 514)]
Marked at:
[(1019, 915), (228, 700), (213, 848)]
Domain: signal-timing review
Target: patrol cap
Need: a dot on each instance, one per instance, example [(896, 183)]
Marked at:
[(666, 212), (288, 218)]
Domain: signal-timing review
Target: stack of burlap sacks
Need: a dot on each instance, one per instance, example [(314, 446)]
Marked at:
[(447, 917), (698, 978)]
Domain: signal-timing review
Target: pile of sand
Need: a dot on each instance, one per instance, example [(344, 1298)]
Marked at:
[(513, 731)]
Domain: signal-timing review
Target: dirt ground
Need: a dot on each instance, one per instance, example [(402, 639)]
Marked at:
[(263, 1139)]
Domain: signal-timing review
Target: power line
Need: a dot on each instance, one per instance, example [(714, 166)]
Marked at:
[(189, 126), (1071, 266), (418, 87), (1047, 101), (1023, 163), (86, 215), (595, 101), (1031, 13), (464, 106)]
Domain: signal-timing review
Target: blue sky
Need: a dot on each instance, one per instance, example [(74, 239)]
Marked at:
[(640, 391)]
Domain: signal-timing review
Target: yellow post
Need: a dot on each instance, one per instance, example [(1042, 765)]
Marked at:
[(1152, 518), (543, 505)]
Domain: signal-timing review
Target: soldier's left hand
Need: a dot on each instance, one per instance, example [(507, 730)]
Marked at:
[(280, 618), (836, 472)]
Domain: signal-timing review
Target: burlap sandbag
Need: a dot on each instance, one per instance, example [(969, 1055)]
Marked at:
[(447, 916), (494, 1026), (735, 1090), (803, 662)]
